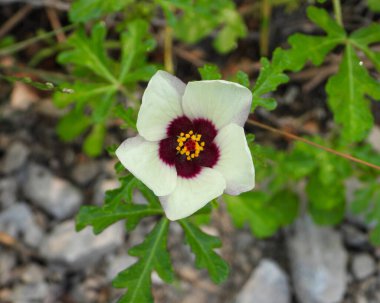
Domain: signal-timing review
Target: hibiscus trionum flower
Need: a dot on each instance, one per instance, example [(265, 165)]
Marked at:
[(191, 145)]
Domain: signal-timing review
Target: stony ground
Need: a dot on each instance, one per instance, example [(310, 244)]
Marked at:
[(43, 182)]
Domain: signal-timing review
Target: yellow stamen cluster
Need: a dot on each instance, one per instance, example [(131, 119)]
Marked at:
[(189, 144)]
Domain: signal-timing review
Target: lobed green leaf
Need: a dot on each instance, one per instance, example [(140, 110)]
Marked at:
[(347, 91), (118, 206), (85, 10), (269, 79), (203, 245), (153, 255), (210, 72)]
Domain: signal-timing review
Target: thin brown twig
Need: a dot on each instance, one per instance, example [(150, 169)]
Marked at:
[(15, 19), (194, 57), (55, 24), (327, 149)]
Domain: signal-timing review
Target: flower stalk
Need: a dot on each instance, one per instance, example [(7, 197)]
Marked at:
[(168, 49), (338, 12)]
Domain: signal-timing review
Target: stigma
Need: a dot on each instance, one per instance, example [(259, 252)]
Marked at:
[(190, 145)]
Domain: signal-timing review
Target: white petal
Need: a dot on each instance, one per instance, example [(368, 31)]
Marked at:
[(220, 101), (192, 194), (235, 162), (141, 158), (161, 103)]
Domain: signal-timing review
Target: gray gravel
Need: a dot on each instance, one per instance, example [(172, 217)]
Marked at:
[(56, 196), (318, 263)]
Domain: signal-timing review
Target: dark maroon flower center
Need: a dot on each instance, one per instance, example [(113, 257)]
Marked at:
[(189, 146)]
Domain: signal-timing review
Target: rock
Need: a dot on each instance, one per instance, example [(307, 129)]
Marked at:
[(23, 96), (363, 265), (15, 157), (8, 189), (32, 274), (318, 263), (79, 250), (56, 196), (7, 262), (353, 237), (267, 284), (88, 290), (117, 264), (26, 293), (18, 221), (85, 172)]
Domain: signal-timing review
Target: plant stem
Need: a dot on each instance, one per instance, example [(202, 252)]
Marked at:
[(168, 49), (21, 45), (327, 149), (338, 12), (266, 10)]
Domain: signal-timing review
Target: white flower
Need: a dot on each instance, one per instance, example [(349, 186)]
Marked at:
[(191, 145)]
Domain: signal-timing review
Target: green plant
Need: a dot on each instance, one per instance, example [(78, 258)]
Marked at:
[(108, 65)]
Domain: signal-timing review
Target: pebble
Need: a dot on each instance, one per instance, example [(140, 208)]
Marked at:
[(33, 273), (15, 157), (363, 266), (18, 222), (85, 172), (56, 196), (8, 191), (353, 237), (318, 263), (34, 292), (80, 249), (267, 284), (7, 262), (88, 290)]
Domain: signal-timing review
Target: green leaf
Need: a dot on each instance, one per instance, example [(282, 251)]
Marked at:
[(128, 115), (264, 214), (347, 91), (363, 38), (203, 245), (313, 48), (102, 217), (327, 216), (374, 236), (325, 196), (233, 29), (269, 79), (241, 78), (82, 93), (153, 255), (118, 206), (72, 125), (93, 144), (200, 18), (89, 52), (102, 107), (374, 5), (210, 72), (286, 204), (136, 42), (85, 10)]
